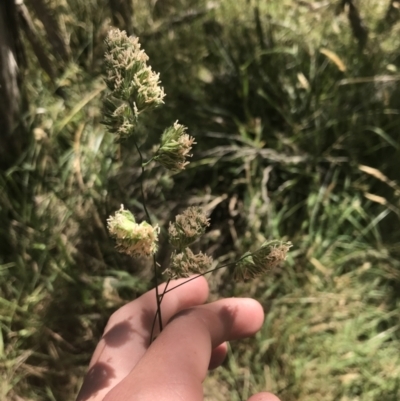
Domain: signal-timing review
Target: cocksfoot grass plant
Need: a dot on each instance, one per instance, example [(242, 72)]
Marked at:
[(133, 89)]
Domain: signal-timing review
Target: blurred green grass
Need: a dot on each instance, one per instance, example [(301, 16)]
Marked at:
[(298, 138)]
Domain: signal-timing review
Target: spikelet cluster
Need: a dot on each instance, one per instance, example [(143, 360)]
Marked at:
[(188, 227), (175, 148), (185, 263), (130, 81), (134, 239), (252, 265), (118, 117)]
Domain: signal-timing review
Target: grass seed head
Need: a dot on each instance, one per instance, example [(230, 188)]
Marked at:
[(175, 148), (185, 263), (188, 227), (132, 238), (128, 76), (263, 260), (118, 117)]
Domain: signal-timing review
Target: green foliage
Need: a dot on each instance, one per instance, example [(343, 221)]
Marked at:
[(297, 131)]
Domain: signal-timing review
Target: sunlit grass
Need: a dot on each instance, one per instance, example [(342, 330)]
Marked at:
[(298, 128)]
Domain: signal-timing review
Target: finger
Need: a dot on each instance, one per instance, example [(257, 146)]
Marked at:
[(264, 397), (127, 335), (218, 356), (128, 329), (176, 363)]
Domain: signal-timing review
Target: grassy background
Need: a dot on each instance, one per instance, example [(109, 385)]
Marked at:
[(298, 131)]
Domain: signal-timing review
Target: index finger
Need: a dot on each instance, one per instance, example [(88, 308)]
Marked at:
[(175, 365)]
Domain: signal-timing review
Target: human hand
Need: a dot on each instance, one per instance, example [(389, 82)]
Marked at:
[(124, 367)]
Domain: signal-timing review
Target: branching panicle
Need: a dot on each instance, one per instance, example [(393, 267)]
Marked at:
[(135, 88)]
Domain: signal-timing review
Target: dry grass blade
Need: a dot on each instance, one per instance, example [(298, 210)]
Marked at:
[(364, 80), (380, 176), (334, 58)]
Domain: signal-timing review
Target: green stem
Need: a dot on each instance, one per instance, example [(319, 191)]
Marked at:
[(148, 162), (141, 183), (156, 314), (202, 274), (154, 257)]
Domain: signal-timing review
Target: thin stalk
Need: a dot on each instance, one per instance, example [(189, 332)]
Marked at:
[(148, 162), (203, 274), (156, 314), (149, 220), (165, 290)]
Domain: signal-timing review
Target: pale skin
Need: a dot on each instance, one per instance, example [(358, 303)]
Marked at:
[(125, 367)]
